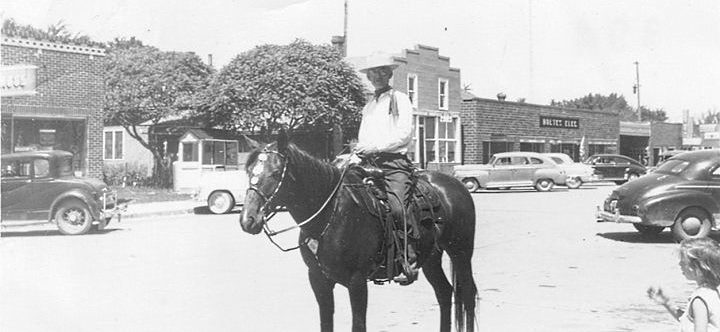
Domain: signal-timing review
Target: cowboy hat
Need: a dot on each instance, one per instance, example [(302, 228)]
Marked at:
[(378, 60)]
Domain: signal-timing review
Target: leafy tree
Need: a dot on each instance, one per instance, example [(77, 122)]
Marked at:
[(711, 116), (615, 103), (57, 33), (144, 86), (291, 86)]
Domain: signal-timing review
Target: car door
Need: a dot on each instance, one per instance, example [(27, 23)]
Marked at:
[(524, 170), (501, 172), (619, 168), (43, 188), (16, 189), (602, 166), (713, 186)]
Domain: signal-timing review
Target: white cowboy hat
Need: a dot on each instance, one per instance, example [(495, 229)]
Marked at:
[(378, 60)]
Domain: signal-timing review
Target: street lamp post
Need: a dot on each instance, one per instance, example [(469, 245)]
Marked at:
[(636, 89)]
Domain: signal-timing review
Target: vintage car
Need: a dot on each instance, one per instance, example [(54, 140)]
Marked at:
[(615, 167), (577, 173), (222, 190), (41, 185), (512, 169), (682, 193)]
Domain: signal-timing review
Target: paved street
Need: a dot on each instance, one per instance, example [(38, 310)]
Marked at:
[(541, 264)]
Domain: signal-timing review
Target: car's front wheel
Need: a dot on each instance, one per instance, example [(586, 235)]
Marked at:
[(73, 218), (471, 184), (544, 185), (573, 182), (221, 202), (649, 229), (691, 223)]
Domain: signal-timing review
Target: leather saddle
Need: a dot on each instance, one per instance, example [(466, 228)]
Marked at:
[(425, 203)]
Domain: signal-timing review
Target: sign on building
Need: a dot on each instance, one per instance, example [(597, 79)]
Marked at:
[(558, 122), (18, 80)]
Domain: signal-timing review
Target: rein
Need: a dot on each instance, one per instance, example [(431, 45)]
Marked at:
[(269, 215)]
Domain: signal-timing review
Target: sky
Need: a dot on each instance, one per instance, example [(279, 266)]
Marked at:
[(539, 50)]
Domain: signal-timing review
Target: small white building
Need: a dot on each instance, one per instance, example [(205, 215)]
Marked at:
[(208, 150)]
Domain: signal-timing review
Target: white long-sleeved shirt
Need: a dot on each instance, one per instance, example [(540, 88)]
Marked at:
[(384, 131)]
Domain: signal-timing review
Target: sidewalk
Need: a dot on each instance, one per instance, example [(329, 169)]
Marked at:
[(144, 210)]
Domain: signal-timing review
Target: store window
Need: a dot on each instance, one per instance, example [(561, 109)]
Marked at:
[(493, 147), (532, 147), (43, 134), (113, 143), (412, 81), (570, 149), (443, 94), (594, 149)]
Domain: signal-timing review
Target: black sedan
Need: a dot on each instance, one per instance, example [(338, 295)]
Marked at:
[(682, 193), (615, 167)]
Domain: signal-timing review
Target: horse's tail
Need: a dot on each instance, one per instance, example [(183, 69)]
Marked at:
[(465, 299)]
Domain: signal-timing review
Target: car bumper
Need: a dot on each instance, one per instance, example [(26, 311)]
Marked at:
[(591, 178), (111, 207), (605, 216)]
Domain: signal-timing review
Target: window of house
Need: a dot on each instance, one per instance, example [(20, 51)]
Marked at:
[(190, 151), (493, 147), (439, 141), (532, 147), (113, 143), (412, 89), (220, 153), (443, 94)]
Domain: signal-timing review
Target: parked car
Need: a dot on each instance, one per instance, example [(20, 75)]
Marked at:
[(222, 190), (662, 157), (577, 173), (682, 193), (41, 185), (615, 167), (512, 169)]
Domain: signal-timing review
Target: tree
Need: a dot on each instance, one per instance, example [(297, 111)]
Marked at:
[(56, 33), (144, 85), (293, 86), (615, 103)]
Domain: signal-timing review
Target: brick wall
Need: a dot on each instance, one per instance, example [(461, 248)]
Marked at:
[(484, 118), (68, 84)]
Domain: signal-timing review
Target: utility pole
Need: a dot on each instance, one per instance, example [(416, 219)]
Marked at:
[(345, 37), (636, 89)]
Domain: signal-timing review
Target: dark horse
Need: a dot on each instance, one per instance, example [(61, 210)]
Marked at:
[(346, 237)]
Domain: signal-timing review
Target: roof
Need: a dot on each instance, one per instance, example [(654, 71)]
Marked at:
[(519, 154), (50, 154), (246, 143)]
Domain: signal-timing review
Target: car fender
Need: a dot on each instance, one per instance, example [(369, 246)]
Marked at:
[(75, 194), (663, 210), (549, 173), (480, 176)]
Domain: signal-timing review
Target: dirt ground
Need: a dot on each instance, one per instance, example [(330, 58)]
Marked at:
[(541, 263)]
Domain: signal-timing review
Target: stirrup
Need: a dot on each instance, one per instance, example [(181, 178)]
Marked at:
[(408, 275)]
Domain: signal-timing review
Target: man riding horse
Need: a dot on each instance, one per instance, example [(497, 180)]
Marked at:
[(383, 141)]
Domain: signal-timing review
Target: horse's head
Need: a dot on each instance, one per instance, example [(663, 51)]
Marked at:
[(266, 168)]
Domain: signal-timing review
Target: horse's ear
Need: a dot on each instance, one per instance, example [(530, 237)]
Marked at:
[(253, 144), (283, 140)]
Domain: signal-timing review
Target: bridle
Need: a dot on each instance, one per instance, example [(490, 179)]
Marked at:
[(268, 211)]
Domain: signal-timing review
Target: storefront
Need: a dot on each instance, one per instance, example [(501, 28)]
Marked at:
[(493, 126), (52, 100)]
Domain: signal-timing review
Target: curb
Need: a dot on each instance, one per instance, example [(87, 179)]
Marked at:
[(138, 215)]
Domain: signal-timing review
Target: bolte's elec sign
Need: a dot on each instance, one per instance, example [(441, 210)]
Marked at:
[(557, 122), (18, 80)]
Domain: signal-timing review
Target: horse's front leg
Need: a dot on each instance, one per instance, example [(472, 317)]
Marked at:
[(358, 301), (323, 289)]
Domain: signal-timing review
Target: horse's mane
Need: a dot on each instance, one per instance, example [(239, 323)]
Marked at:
[(308, 170)]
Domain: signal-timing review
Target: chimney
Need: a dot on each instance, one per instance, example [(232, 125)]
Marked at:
[(339, 43), (501, 96), (210, 59)]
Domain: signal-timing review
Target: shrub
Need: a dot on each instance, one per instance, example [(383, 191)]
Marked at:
[(126, 175)]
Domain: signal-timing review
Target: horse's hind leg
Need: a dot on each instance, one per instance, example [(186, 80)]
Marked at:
[(465, 289), (432, 268), (323, 289)]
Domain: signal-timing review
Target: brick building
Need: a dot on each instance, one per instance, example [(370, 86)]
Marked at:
[(52, 97), (435, 92), (492, 126)]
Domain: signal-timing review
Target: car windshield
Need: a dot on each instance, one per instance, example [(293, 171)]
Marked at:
[(65, 167), (672, 166)]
